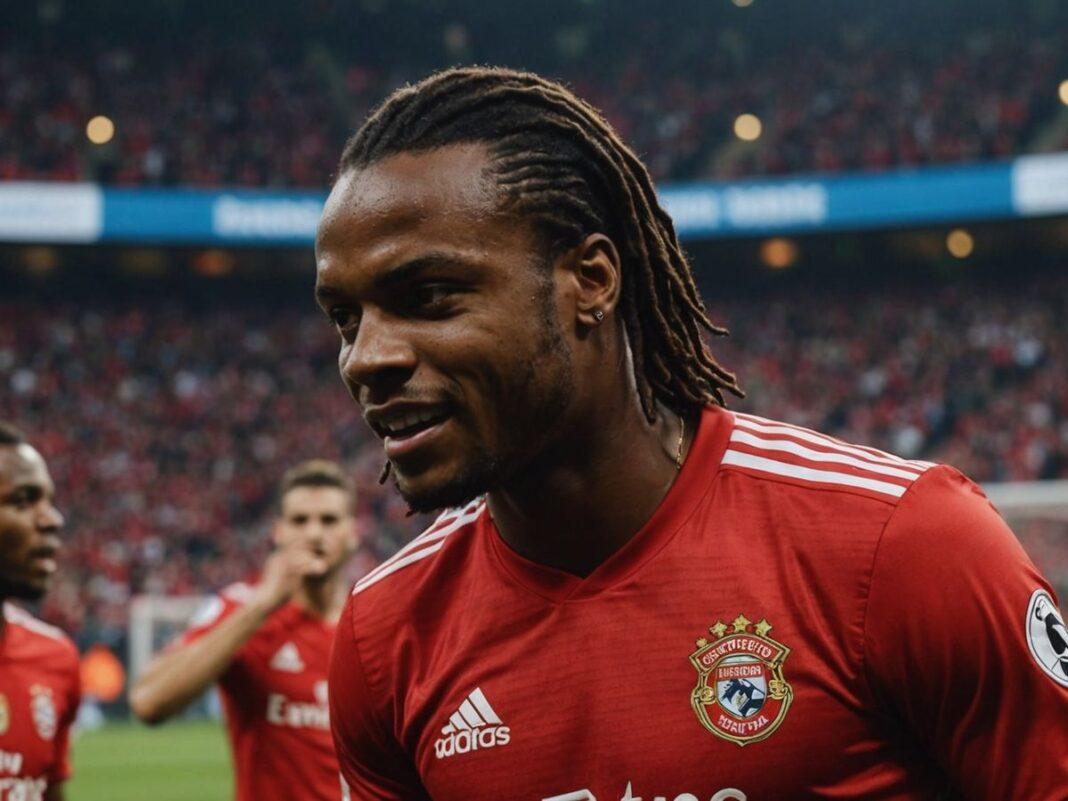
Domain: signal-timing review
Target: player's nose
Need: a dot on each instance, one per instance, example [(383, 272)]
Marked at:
[(379, 360), (49, 518)]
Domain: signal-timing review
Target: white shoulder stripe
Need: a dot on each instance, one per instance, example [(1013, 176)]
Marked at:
[(20, 617), (397, 565), (432, 533), (774, 467), (868, 454), (789, 446), (421, 547)]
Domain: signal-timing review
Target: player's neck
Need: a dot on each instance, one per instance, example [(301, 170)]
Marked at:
[(577, 511), (322, 598)]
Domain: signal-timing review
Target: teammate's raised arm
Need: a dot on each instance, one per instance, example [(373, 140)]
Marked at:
[(267, 645), (182, 673)]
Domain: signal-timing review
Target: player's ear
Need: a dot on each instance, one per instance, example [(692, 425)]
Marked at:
[(597, 279), (277, 533), (353, 539)]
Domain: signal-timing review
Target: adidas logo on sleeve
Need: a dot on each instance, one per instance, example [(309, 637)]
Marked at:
[(472, 726)]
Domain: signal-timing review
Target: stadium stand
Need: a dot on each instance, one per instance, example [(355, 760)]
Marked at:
[(167, 426), (252, 113)]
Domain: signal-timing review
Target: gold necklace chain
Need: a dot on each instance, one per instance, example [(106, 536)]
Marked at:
[(678, 448)]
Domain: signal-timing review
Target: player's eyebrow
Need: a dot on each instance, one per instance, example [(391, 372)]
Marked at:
[(410, 270), (33, 491), (402, 273)]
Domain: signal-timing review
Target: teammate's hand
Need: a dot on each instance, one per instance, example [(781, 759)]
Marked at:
[(284, 571)]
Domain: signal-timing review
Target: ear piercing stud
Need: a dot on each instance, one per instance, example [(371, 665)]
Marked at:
[(598, 315)]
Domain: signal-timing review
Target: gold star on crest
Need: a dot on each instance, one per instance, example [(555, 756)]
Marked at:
[(763, 627), (719, 629), (741, 623), (701, 642)]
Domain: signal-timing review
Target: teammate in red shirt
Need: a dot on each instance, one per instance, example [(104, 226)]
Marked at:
[(39, 684), (657, 599), (268, 647)]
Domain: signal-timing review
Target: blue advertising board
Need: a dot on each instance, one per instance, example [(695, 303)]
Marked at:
[(1027, 186)]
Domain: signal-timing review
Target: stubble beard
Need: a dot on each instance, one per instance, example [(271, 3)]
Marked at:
[(21, 591), (537, 421)]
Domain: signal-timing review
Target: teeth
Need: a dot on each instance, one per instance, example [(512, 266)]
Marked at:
[(404, 421)]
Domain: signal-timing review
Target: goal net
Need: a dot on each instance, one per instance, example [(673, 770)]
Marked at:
[(156, 620)]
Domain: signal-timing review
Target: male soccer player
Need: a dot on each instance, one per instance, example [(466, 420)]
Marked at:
[(638, 594), (267, 645), (39, 684)]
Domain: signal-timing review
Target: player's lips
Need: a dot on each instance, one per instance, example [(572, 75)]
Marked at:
[(397, 446), (404, 427), (44, 560)]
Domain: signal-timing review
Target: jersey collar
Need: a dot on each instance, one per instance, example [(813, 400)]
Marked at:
[(693, 481)]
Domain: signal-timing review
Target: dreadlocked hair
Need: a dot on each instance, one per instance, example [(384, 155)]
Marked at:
[(559, 163)]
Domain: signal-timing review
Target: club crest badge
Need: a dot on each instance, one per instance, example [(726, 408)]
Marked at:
[(1047, 638), (741, 694), (43, 710), (5, 714)]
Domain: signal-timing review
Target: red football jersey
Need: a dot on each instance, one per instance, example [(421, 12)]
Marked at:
[(39, 697), (275, 700), (800, 618)]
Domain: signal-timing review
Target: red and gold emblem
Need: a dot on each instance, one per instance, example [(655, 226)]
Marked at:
[(741, 694), (43, 708), (5, 714)]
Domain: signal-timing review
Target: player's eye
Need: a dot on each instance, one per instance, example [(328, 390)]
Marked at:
[(344, 319), (431, 297), (22, 500)]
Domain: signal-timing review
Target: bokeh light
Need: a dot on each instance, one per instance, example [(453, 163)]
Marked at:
[(100, 130), (779, 253), (748, 127), (960, 243)]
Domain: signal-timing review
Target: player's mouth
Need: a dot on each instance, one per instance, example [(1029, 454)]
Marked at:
[(404, 428), (44, 561)]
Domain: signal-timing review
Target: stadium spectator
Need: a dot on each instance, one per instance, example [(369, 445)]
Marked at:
[(252, 113)]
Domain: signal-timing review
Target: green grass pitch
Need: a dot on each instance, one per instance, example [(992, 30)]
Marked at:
[(174, 762)]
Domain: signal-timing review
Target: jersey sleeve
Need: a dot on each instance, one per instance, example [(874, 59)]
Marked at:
[(950, 646), (211, 613), (61, 767), (374, 765)]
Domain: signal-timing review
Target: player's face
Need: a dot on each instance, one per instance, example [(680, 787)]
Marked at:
[(29, 524), (450, 337), (320, 519)]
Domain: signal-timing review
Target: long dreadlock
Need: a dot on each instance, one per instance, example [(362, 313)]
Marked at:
[(559, 162)]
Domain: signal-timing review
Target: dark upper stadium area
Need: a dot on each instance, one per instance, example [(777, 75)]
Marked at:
[(264, 94)]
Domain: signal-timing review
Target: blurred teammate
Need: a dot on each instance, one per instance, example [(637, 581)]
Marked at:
[(267, 645), (39, 686), (518, 320)]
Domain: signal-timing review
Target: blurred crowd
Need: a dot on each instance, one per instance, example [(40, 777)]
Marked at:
[(250, 113), (167, 426)]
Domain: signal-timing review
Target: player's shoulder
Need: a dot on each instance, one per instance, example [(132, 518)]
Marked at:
[(427, 561), (824, 469), (215, 607), (46, 637)]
